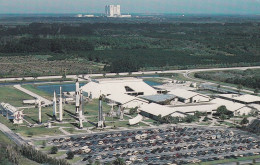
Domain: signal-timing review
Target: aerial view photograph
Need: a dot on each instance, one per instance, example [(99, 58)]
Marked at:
[(129, 82)]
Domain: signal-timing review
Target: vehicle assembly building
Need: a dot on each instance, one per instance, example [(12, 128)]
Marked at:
[(113, 10)]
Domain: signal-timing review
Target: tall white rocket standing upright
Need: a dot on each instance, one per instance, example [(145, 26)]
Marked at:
[(77, 93), (54, 104), (60, 107), (81, 111), (100, 114), (40, 110)]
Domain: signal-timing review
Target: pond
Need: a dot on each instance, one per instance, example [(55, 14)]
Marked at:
[(56, 87), (152, 83)]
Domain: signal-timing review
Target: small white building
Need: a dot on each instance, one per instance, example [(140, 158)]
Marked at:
[(189, 96), (118, 86)]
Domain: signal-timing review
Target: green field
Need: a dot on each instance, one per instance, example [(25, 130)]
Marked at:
[(34, 89), (13, 96)]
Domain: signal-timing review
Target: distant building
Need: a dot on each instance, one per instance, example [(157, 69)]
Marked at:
[(113, 10)]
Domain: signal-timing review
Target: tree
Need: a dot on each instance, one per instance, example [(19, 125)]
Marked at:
[(244, 121), (44, 144), (218, 87), (133, 111), (190, 118), (54, 150), (256, 91), (70, 155), (239, 88), (119, 161), (222, 117), (222, 110)]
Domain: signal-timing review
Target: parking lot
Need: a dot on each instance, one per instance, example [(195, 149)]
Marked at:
[(177, 145)]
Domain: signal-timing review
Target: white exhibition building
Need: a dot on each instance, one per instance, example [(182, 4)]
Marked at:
[(133, 92)]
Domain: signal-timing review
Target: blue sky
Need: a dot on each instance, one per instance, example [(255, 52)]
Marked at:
[(132, 6)]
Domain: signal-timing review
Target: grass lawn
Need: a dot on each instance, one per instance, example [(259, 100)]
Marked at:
[(9, 94), (228, 124), (38, 131), (74, 160), (205, 123), (123, 124), (4, 139), (60, 153), (34, 89)]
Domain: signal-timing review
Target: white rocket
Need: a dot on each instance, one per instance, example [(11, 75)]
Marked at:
[(60, 107), (54, 104), (40, 110), (81, 111), (77, 94), (100, 114)]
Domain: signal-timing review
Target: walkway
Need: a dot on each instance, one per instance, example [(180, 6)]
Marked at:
[(11, 135), (46, 102)]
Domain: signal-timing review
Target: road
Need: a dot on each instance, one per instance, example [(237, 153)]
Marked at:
[(134, 73), (9, 133), (46, 102)]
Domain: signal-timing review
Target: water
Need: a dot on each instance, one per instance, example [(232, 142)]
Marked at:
[(65, 87), (152, 83)]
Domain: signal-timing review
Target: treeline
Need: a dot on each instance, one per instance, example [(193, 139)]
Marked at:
[(37, 44), (39, 157), (46, 29), (12, 154), (248, 78), (128, 47)]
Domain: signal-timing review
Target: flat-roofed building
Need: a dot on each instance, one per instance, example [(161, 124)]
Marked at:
[(126, 101), (189, 96), (244, 99), (153, 111), (118, 86)]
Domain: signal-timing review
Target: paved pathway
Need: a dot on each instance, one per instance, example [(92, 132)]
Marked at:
[(10, 134), (46, 102), (63, 131)]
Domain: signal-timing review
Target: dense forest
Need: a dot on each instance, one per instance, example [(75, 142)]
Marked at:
[(125, 47), (248, 78)]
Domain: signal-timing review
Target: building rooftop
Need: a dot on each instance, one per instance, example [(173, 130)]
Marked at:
[(242, 98), (123, 98), (159, 98), (185, 94), (156, 109)]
